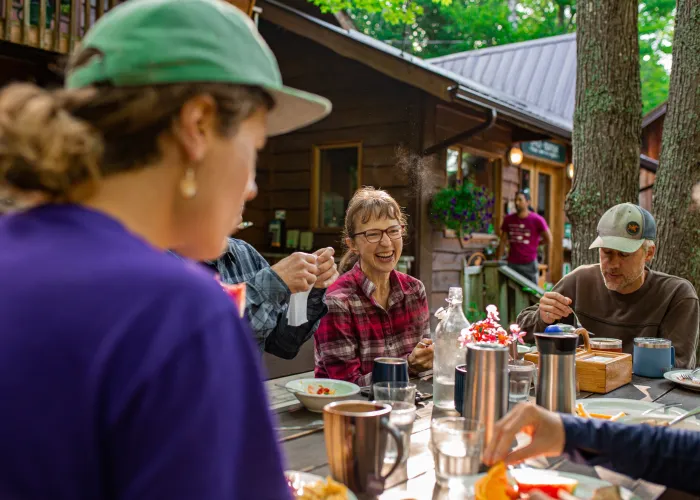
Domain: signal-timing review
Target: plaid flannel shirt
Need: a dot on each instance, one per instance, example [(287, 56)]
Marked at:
[(357, 330), (267, 300)]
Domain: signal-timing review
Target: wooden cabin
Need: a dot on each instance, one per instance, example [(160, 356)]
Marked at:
[(398, 123), (652, 131)]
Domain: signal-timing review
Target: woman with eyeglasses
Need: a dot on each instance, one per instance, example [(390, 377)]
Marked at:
[(373, 310)]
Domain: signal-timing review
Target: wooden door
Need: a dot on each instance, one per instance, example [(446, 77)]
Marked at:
[(545, 184)]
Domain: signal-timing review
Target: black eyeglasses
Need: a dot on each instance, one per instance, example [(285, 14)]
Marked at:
[(376, 235)]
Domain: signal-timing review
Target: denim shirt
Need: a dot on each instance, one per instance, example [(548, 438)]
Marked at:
[(267, 300)]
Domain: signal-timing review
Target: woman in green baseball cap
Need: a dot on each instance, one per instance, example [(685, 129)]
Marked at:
[(126, 373)]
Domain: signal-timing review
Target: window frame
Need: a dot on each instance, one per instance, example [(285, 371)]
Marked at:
[(315, 206)]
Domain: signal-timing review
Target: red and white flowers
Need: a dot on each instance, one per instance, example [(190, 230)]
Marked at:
[(490, 331)]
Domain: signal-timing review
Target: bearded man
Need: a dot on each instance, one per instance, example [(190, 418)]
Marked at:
[(621, 297)]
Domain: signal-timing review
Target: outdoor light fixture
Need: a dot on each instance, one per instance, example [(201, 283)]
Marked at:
[(515, 156), (570, 170)]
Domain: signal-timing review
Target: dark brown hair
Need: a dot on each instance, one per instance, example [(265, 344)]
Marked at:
[(365, 204), (53, 141)]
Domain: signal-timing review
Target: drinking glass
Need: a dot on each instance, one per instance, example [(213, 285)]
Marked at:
[(395, 391), (402, 417), (521, 374), (456, 443)]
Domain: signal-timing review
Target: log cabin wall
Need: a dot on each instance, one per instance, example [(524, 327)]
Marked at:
[(448, 254), (368, 108), (651, 146)]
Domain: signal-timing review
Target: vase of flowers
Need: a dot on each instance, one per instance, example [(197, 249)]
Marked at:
[(490, 331), (465, 209)]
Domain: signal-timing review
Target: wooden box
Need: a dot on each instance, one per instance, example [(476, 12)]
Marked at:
[(597, 371), (603, 371)]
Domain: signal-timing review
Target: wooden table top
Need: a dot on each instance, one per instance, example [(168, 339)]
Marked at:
[(305, 450)]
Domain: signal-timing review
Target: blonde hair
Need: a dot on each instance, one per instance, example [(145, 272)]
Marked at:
[(365, 204), (54, 141)]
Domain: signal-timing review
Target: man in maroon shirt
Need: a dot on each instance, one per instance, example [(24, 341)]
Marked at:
[(523, 231)]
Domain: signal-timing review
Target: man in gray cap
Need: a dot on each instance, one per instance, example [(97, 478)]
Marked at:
[(622, 297)]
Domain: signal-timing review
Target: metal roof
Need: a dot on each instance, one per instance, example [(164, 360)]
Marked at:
[(538, 74), (462, 88)]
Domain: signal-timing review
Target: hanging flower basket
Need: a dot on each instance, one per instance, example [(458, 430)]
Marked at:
[(465, 209)]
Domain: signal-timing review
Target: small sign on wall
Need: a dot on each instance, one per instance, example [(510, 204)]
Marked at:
[(545, 149)]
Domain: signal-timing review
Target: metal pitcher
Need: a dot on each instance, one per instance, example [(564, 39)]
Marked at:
[(556, 371), (486, 387)]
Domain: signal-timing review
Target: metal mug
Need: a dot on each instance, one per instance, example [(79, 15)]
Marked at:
[(652, 357), (389, 370), (356, 434)]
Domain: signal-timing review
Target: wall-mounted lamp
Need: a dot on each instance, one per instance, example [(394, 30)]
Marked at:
[(515, 156), (570, 170)]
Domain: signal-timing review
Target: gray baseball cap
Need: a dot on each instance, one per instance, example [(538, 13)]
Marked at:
[(624, 228)]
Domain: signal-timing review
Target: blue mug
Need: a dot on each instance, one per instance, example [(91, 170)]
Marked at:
[(653, 357), (460, 377), (389, 370)]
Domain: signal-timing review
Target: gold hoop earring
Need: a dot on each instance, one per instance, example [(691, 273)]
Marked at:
[(188, 184)]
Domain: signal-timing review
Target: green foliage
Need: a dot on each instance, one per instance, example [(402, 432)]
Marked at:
[(474, 314), (392, 12), (462, 25), (431, 28), (466, 208)]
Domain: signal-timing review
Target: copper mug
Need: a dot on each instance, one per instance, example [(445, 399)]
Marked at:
[(356, 436)]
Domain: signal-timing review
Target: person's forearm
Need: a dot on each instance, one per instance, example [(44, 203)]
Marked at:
[(530, 322), (680, 326), (267, 299), (657, 454), (285, 341)]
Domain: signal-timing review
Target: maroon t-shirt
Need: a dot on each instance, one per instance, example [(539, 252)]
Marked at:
[(523, 236)]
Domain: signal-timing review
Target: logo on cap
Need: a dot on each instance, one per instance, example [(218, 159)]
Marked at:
[(633, 229)]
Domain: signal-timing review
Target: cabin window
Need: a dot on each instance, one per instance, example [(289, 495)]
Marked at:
[(462, 165), (335, 178)]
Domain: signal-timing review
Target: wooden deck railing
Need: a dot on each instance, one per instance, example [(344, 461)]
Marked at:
[(57, 25), (54, 25), (494, 283)]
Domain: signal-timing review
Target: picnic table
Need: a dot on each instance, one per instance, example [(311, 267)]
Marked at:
[(305, 450)]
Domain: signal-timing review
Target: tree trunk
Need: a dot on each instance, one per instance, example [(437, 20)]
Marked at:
[(678, 247), (607, 120)]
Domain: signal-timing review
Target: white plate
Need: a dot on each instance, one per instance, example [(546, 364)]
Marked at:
[(673, 377), (300, 479), (690, 424), (316, 402), (613, 406), (586, 485)]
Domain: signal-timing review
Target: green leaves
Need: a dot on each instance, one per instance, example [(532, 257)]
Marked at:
[(393, 12), (431, 28), (466, 208)]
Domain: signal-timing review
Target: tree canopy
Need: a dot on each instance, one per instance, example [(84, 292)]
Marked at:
[(431, 28)]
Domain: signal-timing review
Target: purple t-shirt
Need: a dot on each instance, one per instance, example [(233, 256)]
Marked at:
[(523, 236), (125, 373)]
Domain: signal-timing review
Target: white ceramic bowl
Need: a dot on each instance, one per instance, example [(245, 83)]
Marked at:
[(316, 402)]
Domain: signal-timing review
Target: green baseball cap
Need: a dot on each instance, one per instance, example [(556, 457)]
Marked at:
[(151, 42), (624, 228)]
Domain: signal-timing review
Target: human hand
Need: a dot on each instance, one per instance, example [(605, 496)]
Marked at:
[(327, 270), (544, 427), (298, 271), (554, 306), (421, 358)]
